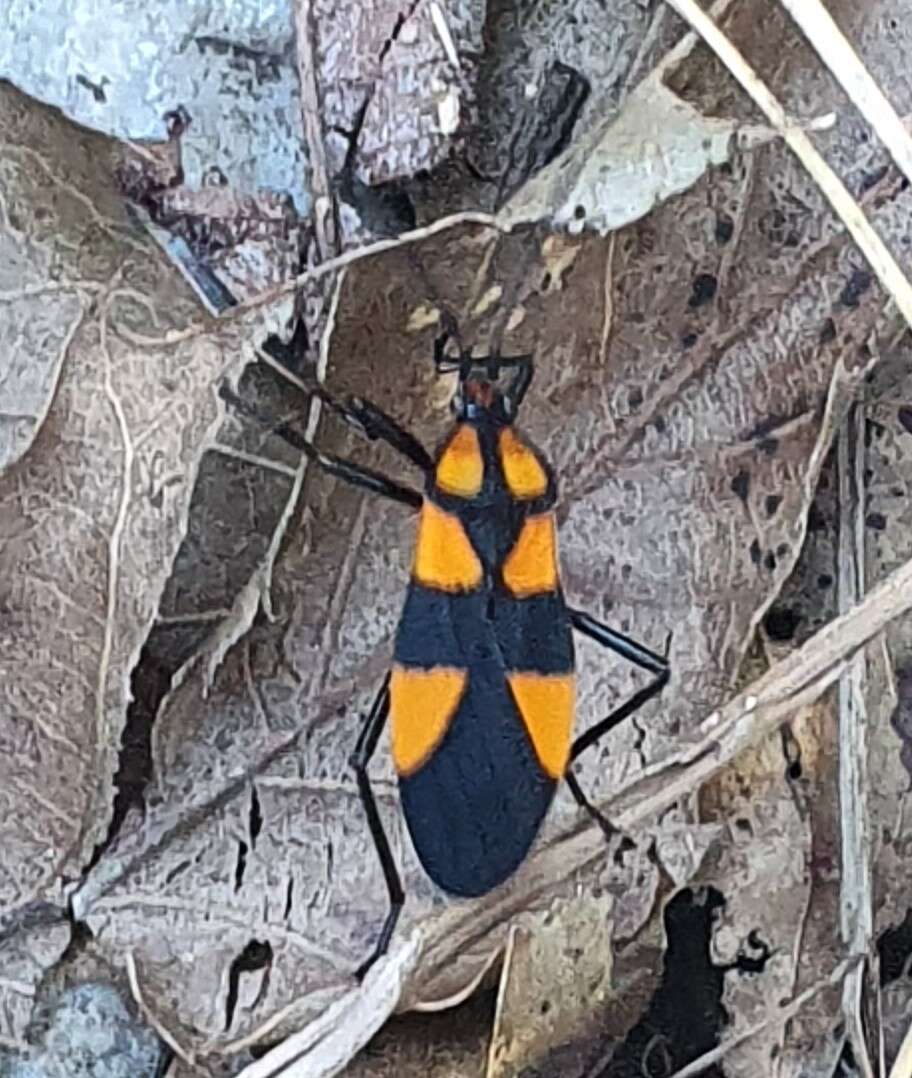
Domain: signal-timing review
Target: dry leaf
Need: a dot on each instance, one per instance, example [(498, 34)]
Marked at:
[(655, 147), (90, 517), (556, 974)]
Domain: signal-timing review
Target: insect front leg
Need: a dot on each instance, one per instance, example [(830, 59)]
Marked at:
[(640, 656), (375, 423), (360, 758), (346, 470)]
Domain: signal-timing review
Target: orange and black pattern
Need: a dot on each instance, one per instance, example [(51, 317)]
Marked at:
[(482, 688)]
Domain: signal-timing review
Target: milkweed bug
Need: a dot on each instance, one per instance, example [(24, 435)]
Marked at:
[(482, 689)]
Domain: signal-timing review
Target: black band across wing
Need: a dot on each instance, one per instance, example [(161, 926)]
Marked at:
[(437, 629)]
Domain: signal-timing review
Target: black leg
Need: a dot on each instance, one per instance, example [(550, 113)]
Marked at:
[(356, 474), (360, 758), (520, 383), (635, 653), (377, 424), (631, 651)]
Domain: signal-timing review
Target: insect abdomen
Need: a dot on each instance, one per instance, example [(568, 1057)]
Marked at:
[(482, 719), (475, 806)]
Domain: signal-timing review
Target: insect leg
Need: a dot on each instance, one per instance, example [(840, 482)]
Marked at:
[(631, 651), (377, 424), (520, 383), (356, 474), (635, 653), (360, 758)]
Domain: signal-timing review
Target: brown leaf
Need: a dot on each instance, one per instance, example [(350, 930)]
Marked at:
[(90, 516)]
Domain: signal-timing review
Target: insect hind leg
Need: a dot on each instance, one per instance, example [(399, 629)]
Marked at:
[(634, 653), (360, 758)]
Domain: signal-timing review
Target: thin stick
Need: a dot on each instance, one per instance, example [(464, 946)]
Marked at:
[(850, 213), (855, 888), (442, 224), (313, 129), (678, 53), (149, 1015), (845, 65), (324, 1046)]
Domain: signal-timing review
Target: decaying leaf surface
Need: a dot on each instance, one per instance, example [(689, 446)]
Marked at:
[(90, 516), (35, 320)]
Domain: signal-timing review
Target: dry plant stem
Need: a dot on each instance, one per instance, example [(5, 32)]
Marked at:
[(800, 679), (855, 894), (846, 67), (850, 213), (313, 129), (443, 32), (442, 224), (149, 1015), (787, 1013), (323, 1047), (257, 592), (679, 53)]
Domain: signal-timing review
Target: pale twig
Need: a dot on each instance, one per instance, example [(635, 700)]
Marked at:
[(313, 129), (356, 254), (255, 459), (443, 32), (325, 1045), (256, 594), (149, 1014), (850, 213), (855, 888), (608, 315), (845, 65), (679, 52)]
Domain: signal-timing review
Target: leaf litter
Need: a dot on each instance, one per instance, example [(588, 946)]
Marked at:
[(235, 891), (91, 519), (294, 881)]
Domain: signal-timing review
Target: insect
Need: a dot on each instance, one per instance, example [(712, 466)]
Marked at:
[(481, 694)]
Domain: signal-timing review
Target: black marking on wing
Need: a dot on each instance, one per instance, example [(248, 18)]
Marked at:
[(463, 631)]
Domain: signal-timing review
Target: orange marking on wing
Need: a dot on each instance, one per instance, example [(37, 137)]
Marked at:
[(546, 703), (523, 472), (460, 469), (444, 557), (422, 705), (531, 566)]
